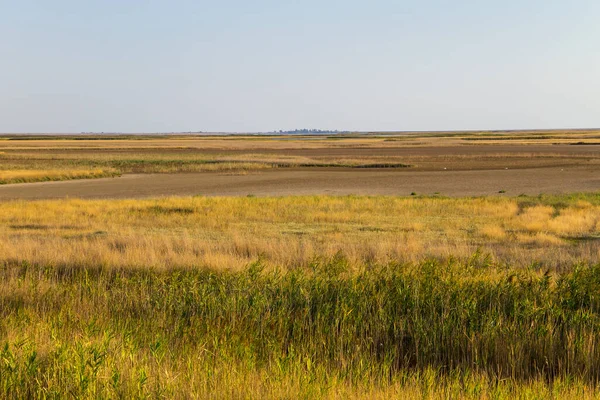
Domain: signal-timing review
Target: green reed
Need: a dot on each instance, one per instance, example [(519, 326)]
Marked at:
[(98, 333)]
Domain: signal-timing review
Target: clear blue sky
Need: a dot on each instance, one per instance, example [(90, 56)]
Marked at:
[(239, 65)]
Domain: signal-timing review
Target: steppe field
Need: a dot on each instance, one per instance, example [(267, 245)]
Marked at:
[(439, 265)]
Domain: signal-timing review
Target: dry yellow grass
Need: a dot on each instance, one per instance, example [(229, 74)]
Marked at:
[(21, 176), (493, 232), (231, 232), (109, 298)]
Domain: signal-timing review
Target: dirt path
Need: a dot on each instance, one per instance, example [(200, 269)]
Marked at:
[(319, 181)]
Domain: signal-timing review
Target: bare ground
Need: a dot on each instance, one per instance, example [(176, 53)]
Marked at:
[(333, 181)]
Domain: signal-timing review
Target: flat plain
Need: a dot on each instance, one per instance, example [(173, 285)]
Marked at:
[(382, 265), (465, 164)]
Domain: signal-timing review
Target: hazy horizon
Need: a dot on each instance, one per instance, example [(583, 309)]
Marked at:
[(324, 132), (181, 66)]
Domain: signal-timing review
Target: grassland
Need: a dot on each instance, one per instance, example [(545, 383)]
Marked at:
[(230, 232), (44, 175), (301, 297), (144, 162), (129, 154), (169, 155)]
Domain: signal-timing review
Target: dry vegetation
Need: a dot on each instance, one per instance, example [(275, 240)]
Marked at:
[(300, 297), (145, 154), (228, 233), (240, 154), (433, 330), (140, 161), (42, 175), (296, 297)]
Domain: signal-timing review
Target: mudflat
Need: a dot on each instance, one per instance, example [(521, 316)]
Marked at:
[(332, 181)]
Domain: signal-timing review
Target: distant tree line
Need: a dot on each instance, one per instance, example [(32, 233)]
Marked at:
[(309, 131)]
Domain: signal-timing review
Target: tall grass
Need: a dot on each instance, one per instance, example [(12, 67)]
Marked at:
[(301, 297), (444, 329)]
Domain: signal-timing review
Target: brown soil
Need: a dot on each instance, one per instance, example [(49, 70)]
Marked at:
[(333, 181)]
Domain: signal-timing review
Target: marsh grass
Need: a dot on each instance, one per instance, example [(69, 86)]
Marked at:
[(228, 233), (245, 154), (301, 297), (433, 330), (34, 166), (42, 175)]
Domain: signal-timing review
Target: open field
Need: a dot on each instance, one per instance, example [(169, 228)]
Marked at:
[(359, 297), (301, 297), (230, 232), (454, 164), (304, 267)]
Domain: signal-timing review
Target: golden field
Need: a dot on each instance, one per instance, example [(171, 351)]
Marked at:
[(311, 296), (229, 233), (300, 297), (226, 233)]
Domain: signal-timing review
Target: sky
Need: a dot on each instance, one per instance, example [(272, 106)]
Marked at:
[(249, 66)]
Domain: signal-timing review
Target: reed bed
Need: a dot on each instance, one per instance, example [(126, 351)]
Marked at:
[(429, 330), (301, 297)]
